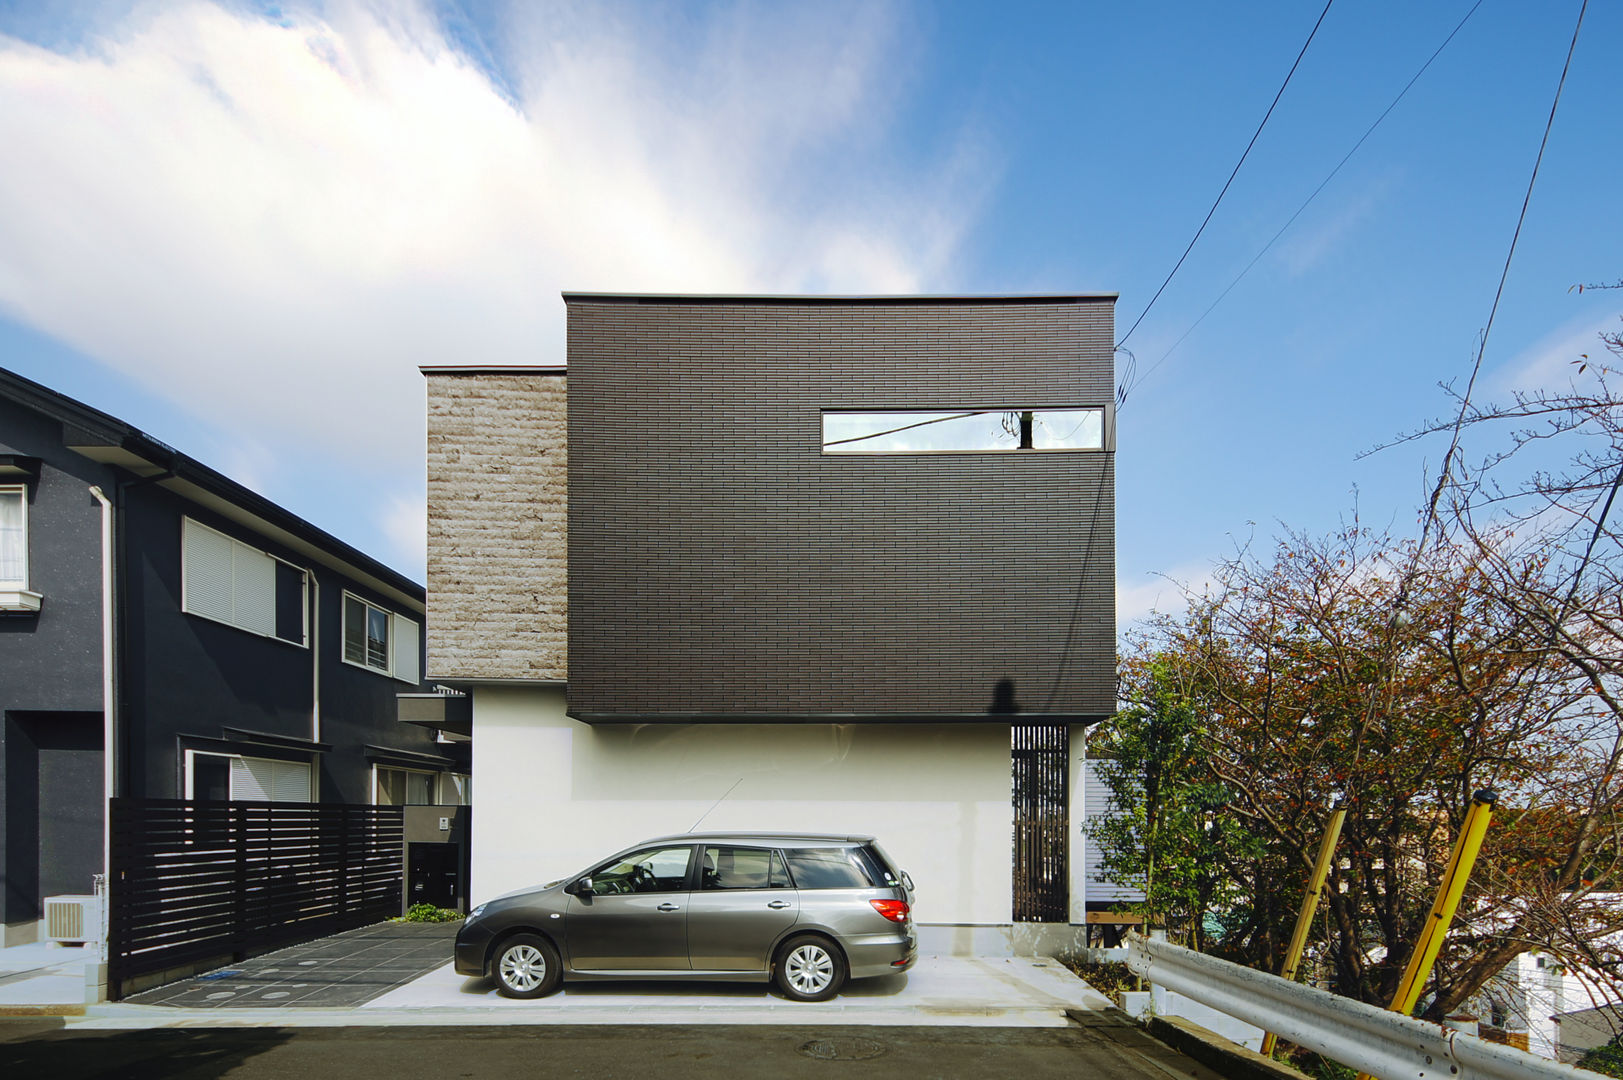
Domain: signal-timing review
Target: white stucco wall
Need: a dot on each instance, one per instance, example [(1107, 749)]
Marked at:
[(555, 795)]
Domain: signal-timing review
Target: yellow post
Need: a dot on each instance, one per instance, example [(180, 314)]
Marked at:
[(1449, 892), (1310, 904)]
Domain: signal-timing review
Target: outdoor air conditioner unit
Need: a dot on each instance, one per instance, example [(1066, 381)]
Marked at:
[(73, 918)]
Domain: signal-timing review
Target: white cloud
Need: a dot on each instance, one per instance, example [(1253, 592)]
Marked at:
[(272, 222), (1315, 242), (1551, 363), (1161, 593)]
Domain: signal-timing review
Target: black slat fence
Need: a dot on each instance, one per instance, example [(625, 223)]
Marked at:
[(1042, 761), (194, 881)]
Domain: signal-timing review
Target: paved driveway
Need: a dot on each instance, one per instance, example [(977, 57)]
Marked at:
[(341, 971), (400, 973)]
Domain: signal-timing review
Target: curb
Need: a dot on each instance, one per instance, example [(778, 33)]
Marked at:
[(1212, 1050), (42, 1010)]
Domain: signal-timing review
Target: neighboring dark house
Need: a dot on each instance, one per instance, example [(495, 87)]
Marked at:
[(833, 561), (226, 647)]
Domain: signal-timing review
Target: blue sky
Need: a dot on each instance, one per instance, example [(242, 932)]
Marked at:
[(243, 227)]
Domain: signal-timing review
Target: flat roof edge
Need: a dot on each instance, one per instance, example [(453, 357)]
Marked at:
[(812, 300), (493, 369)]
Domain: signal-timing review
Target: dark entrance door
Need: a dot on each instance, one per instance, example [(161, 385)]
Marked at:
[(50, 809), (431, 874), (1042, 759)]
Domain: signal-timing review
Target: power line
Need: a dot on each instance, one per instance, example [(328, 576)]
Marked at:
[(1130, 383), (1446, 468), (1482, 343), (1254, 136)]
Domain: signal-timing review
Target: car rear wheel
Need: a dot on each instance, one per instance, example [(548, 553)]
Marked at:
[(808, 968), (526, 966)]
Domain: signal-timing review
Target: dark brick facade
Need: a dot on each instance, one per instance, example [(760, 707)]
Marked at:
[(722, 567)]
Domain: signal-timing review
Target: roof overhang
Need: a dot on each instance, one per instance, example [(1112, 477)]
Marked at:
[(15, 467)]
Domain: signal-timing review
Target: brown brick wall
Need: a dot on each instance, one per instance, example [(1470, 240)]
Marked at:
[(721, 566), (497, 519)]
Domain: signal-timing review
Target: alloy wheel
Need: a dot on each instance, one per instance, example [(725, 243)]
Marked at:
[(523, 967), (809, 969)]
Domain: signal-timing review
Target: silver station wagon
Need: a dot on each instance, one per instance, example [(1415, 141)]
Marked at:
[(805, 911)]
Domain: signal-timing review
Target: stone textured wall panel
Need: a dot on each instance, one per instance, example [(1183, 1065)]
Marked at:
[(497, 524)]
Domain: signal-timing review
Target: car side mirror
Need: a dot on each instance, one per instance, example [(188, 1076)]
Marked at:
[(579, 887)]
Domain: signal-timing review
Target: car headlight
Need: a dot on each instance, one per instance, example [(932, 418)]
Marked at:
[(475, 913)]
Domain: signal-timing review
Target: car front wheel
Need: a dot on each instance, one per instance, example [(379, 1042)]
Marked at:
[(526, 966), (808, 968)]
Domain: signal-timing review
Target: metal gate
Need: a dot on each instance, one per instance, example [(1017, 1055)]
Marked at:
[(196, 881), (1042, 759)]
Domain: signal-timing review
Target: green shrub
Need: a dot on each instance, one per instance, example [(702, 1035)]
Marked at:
[(429, 913), (1606, 1059)]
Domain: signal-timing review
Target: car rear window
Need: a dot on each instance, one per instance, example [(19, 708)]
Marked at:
[(830, 868), (884, 868)]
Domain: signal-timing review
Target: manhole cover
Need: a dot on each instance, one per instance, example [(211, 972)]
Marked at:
[(841, 1049)]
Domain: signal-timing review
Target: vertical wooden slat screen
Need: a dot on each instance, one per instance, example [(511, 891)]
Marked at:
[(1041, 757), (193, 880)]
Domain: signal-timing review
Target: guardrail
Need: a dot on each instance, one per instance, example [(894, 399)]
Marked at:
[(1384, 1044)]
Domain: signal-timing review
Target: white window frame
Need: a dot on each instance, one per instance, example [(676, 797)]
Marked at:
[(433, 783), (21, 492), (393, 670), (304, 589), (227, 756), (15, 595)]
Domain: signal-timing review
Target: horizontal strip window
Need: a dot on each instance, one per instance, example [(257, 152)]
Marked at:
[(231, 582), (962, 431), (381, 640)]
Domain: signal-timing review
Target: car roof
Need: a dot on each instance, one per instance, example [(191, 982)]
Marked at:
[(762, 837)]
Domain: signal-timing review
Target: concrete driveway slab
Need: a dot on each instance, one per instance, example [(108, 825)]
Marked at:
[(939, 990)]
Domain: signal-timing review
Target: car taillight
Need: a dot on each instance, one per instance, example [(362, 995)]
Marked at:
[(894, 910)]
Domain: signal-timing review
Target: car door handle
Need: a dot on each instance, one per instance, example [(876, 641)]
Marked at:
[(779, 904), (668, 907)]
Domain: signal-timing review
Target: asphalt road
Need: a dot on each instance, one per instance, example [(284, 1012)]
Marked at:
[(1106, 1049)]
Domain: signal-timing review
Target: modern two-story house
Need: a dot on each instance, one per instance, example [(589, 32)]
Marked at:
[(827, 564), (165, 633)]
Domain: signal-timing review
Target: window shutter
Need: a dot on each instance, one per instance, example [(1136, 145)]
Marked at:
[(292, 782), (354, 630), (208, 572), (290, 596), (404, 643), (250, 780), (253, 590)]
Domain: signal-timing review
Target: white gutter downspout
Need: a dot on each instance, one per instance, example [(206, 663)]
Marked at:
[(315, 655), (315, 680), (109, 745)]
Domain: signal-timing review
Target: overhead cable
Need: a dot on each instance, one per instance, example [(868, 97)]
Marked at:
[(1232, 175)]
